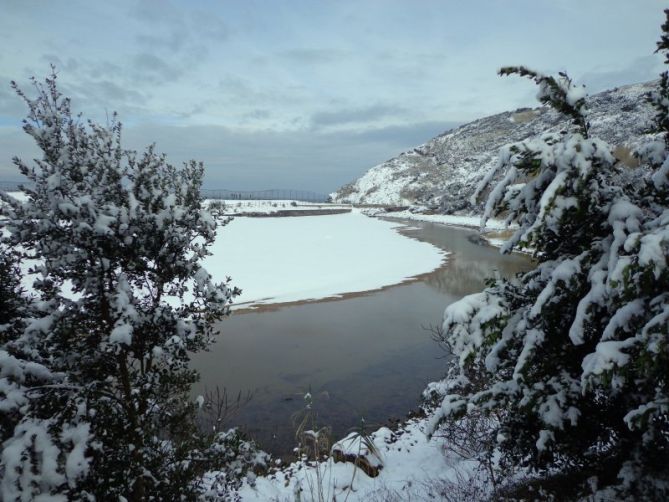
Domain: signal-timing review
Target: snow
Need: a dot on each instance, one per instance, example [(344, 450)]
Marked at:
[(449, 219), (121, 334), (77, 464), (24, 484), (232, 207), (447, 169), (607, 355), (411, 466), (652, 252), (575, 94), (276, 260), (463, 320), (21, 196), (545, 438), (354, 444), (381, 184)]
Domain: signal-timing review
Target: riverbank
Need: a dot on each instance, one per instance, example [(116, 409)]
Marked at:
[(410, 466), (365, 355), (495, 233), (407, 466), (289, 260)]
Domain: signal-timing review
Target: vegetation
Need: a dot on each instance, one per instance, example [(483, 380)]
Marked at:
[(568, 363), (94, 376), (558, 385)]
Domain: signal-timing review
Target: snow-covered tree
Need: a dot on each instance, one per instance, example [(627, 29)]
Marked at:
[(571, 360), (94, 375)]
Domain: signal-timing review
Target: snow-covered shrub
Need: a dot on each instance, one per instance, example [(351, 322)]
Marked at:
[(217, 209), (571, 359), (21, 371), (94, 375), (242, 460)]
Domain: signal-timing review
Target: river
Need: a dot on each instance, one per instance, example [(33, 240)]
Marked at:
[(365, 356)]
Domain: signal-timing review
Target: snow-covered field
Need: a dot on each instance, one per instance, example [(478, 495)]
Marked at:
[(276, 260), (272, 206)]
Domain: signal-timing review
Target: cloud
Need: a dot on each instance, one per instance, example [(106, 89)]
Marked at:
[(14, 143), (329, 88), (168, 28), (105, 93), (258, 114), (642, 69), (314, 56), (173, 41), (355, 115), (11, 105), (153, 69), (69, 65), (241, 159), (209, 26), (412, 134)]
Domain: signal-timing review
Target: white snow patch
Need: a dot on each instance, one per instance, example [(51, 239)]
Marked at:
[(276, 260), (449, 219), (232, 207), (410, 463)]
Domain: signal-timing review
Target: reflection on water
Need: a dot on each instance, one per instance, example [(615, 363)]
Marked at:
[(366, 356), (469, 264)]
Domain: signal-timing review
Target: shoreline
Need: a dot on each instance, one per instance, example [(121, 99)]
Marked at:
[(255, 308), (494, 236), (407, 224)]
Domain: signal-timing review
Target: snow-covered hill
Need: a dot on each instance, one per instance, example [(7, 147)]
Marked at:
[(443, 173)]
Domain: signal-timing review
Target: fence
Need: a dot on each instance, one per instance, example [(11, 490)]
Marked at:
[(301, 195), (11, 186)]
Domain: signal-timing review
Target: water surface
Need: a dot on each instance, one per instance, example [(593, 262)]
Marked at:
[(368, 356)]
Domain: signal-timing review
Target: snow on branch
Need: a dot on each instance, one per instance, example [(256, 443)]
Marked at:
[(560, 93)]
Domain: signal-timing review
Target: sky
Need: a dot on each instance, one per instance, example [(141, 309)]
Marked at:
[(308, 94)]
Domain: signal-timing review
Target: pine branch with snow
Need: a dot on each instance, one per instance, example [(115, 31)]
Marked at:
[(558, 92)]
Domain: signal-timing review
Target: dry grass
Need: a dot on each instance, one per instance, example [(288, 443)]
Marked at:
[(625, 156)]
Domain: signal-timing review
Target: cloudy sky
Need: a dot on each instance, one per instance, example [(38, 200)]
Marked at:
[(307, 94)]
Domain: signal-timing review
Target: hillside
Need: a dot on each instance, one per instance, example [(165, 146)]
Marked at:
[(443, 173)]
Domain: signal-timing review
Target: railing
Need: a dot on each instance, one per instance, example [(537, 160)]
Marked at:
[(301, 195), (11, 186)]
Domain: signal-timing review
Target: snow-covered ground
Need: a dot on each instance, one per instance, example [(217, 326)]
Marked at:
[(272, 206), (276, 260), (448, 219), (18, 195), (411, 467)]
